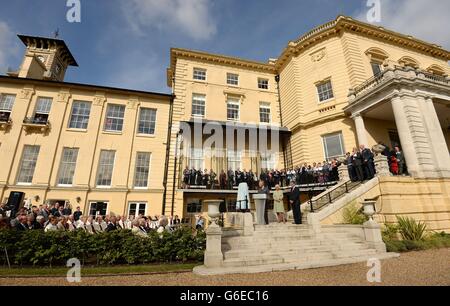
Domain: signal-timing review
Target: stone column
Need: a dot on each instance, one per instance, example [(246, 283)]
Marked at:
[(436, 137), (360, 129), (398, 107), (213, 253)]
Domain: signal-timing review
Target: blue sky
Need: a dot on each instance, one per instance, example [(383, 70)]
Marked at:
[(126, 43)]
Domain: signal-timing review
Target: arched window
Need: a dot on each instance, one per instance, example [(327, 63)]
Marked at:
[(409, 62), (435, 69), (377, 57)]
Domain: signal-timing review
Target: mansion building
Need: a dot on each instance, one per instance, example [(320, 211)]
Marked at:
[(344, 84)]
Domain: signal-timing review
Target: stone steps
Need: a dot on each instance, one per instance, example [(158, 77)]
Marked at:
[(283, 244), (297, 251), (264, 268), (278, 247)]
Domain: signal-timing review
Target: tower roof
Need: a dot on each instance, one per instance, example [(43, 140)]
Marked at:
[(43, 42)]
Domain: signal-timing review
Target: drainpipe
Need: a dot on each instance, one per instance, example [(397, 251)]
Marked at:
[(175, 170), (283, 146), (169, 136)]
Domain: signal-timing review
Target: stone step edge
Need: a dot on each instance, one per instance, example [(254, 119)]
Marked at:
[(204, 271)]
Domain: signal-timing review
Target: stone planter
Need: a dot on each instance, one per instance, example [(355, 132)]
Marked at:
[(213, 209)]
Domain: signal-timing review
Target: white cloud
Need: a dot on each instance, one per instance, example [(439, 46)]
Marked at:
[(192, 17), (8, 47), (138, 69), (424, 19)]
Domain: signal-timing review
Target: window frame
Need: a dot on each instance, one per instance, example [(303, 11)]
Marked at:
[(105, 129), (380, 68), (96, 202), (235, 102), (5, 110), (261, 85), (325, 147), (231, 81), (193, 104), (135, 179), (202, 76), (21, 165), (139, 132), (266, 106), (42, 113), (70, 163), (79, 115), (322, 83), (99, 168), (137, 209)]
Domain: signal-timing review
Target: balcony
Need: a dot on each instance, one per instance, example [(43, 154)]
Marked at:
[(5, 120), (36, 124), (5, 124), (397, 74)]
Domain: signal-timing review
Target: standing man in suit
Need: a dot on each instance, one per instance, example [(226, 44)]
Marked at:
[(357, 162), (294, 200), (367, 157)]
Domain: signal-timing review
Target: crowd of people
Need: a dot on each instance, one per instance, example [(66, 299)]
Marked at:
[(315, 173), (361, 166), (57, 217)]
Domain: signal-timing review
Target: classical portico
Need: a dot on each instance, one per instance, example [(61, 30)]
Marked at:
[(418, 102)]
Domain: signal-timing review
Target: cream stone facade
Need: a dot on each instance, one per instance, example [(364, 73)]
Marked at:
[(89, 136), (349, 59), (343, 84)]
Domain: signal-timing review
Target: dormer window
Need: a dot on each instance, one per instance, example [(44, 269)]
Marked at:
[(43, 106)]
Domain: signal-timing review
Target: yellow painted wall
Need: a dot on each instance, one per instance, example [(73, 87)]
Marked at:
[(90, 142)]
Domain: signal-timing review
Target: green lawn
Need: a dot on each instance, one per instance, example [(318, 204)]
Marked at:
[(92, 271)]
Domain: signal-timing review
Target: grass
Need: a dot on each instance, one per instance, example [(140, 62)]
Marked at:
[(95, 271)]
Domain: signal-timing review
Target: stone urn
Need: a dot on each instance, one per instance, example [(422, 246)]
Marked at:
[(378, 149), (260, 204), (213, 210), (369, 209)]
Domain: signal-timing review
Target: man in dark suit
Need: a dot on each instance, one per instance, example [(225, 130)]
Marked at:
[(22, 225), (367, 157), (112, 226), (357, 162), (294, 200), (77, 214)]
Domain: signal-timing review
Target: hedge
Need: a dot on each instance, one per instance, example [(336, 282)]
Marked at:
[(36, 248)]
